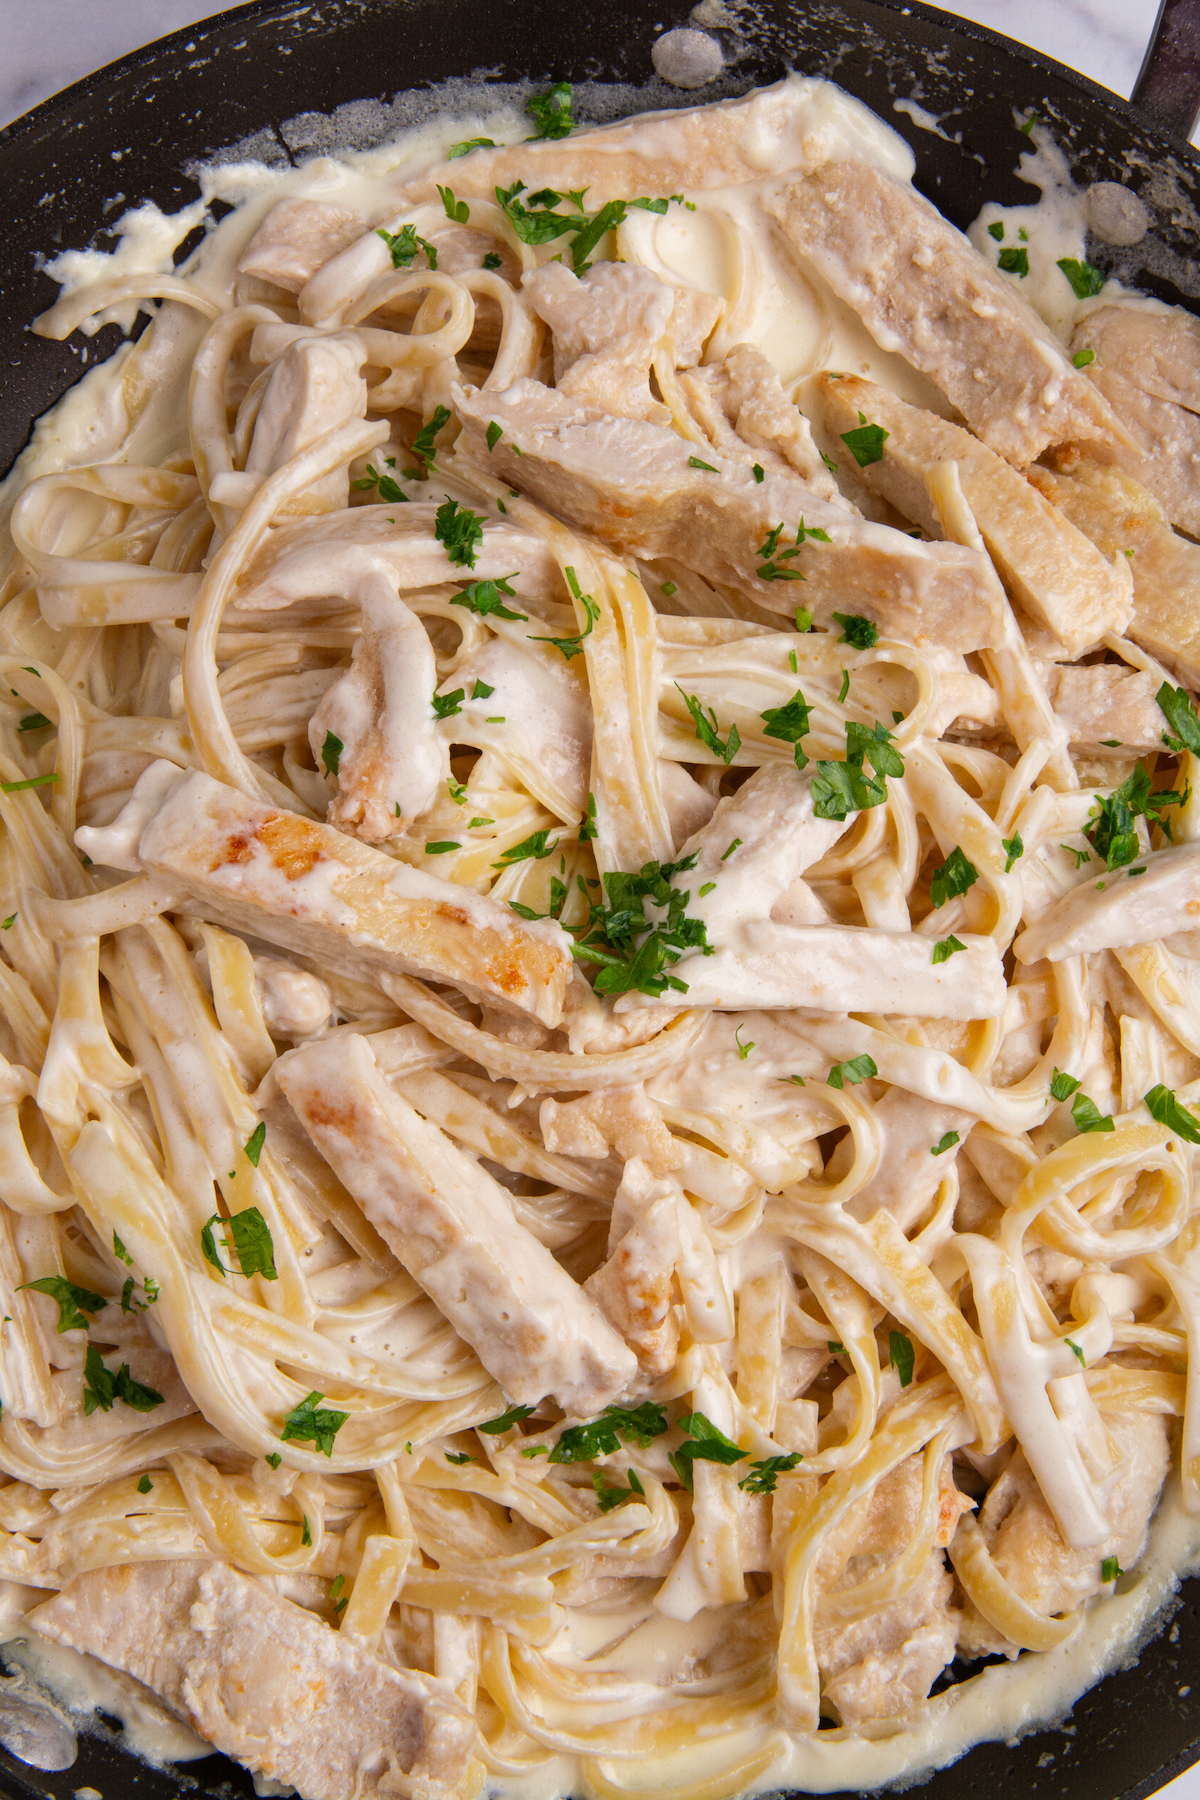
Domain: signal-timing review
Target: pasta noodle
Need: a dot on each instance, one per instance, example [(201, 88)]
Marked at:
[(599, 1060)]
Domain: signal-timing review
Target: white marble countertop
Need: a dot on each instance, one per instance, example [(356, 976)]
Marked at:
[(47, 44)]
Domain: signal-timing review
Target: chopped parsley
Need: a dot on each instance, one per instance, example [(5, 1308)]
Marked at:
[(102, 1386), (72, 1301), (707, 888), (1163, 1106), (763, 1475), (1014, 849), (633, 951), (707, 730), (423, 447), (694, 462), (789, 723), (439, 846), (483, 597), (669, 588), (457, 211), (841, 788), (835, 1349), (1062, 1085), (1110, 1570), (389, 490), (247, 1236), (1014, 261), (602, 1436), (1180, 715), (494, 434), (121, 1253), (469, 144), (254, 1143), (804, 620), (33, 722), (331, 753), (573, 646), (757, 471), (404, 245), (587, 825), (705, 1443), (947, 947), (273, 1460), (953, 877), (309, 1421), (614, 1495), (445, 706), (996, 230), (1087, 1115), (1081, 856), (460, 530), (7, 924), (944, 1143), (1113, 833), (481, 691), (506, 1420), (856, 630), (534, 846), (335, 1593), (1085, 278), (865, 443), (1073, 1347), (728, 852), (461, 1456), (1082, 358), (743, 1049), (19, 787), (145, 1485), (306, 1532), (494, 261), (902, 1356), (770, 570), (551, 112), (858, 1069)]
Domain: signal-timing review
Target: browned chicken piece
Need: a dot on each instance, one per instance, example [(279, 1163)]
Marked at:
[(644, 490), (1049, 566), (1027, 1547), (923, 290), (1122, 518), (1147, 366), (884, 1662), (307, 887), (711, 146), (1102, 701), (621, 1119), (453, 1228), (742, 405), (297, 238), (263, 1680)]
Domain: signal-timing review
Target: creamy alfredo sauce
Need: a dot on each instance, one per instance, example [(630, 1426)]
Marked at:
[(138, 400)]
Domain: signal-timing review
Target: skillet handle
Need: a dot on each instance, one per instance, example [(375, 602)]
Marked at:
[(1168, 86)]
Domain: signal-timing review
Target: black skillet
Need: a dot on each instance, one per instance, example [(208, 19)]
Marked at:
[(291, 73)]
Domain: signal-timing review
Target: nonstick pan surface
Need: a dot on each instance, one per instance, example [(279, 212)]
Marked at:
[(288, 77)]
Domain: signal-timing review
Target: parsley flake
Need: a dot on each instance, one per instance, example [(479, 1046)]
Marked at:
[(1087, 1115), (331, 753), (1075, 1350), (309, 1421), (445, 706), (857, 631), (404, 244), (953, 877), (865, 443), (1062, 1085), (457, 211), (757, 471), (1163, 1106), (1085, 278), (1110, 1570), (72, 1301), (944, 1143), (551, 112), (439, 846), (902, 1356), (947, 947), (254, 1143), (460, 530), (19, 787), (388, 489), (694, 462), (858, 1069), (469, 144), (247, 1237), (763, 1475), (742, 1049), (704, 1444), (102, 1386), (506, 1420), (145, 1485), (1014, 849), (1082, 358), (573, 646), (707, 730), (610, 1497)]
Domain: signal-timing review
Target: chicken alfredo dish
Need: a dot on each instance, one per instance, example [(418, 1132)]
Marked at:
[(601, 968)]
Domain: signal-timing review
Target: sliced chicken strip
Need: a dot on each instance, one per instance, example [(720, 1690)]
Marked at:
[(1027, 1547), (1147, 365), (453, 1228), (777, 835), (796, 123), (1049, 566), (1123, 518), (644, 490), (835, 968), (924, 291), (1102, 701), (748, 395), (1155, 347), (391, 761), (1122, 910), (307, 558), (315, 385), (606, 330), (309, 888), (297, 238), (545, 706), (262, 1678)]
